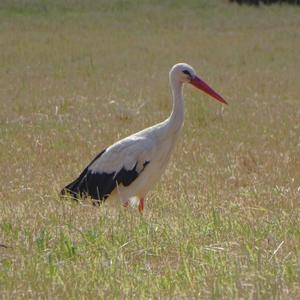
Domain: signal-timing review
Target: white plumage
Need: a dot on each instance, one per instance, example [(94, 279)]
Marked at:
[(132, 166)]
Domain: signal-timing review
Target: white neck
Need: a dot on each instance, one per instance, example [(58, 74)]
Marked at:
[(175, 121)]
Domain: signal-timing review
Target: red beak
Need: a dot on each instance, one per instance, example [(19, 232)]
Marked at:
[(200, 84)]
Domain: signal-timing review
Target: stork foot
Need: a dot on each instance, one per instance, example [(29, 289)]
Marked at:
[(141, 206)]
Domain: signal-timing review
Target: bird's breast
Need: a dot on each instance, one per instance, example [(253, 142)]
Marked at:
[(160, 158)]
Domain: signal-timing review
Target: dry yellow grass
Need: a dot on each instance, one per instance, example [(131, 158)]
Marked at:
[(224, 222)]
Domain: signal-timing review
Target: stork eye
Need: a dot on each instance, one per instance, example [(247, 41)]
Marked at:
[(187, 72)]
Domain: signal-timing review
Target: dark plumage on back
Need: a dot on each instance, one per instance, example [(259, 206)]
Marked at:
[(99, 185), (75, 188)]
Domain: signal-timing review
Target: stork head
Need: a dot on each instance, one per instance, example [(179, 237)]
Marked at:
[(185, 73)]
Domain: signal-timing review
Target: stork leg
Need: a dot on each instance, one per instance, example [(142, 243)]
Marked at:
[(125, 204), (141, 206)]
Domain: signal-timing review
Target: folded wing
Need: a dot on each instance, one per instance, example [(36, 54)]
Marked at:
[(119, 164)]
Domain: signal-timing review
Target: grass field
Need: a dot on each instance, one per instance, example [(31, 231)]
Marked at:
[(223, 223)]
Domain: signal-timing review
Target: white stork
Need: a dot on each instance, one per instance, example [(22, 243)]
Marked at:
[(132, 166)]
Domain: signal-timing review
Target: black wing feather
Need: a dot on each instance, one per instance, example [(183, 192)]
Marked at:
[(75, 186), (100, 185)]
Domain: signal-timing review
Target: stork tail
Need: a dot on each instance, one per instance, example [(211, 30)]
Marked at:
[(78, 187)]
